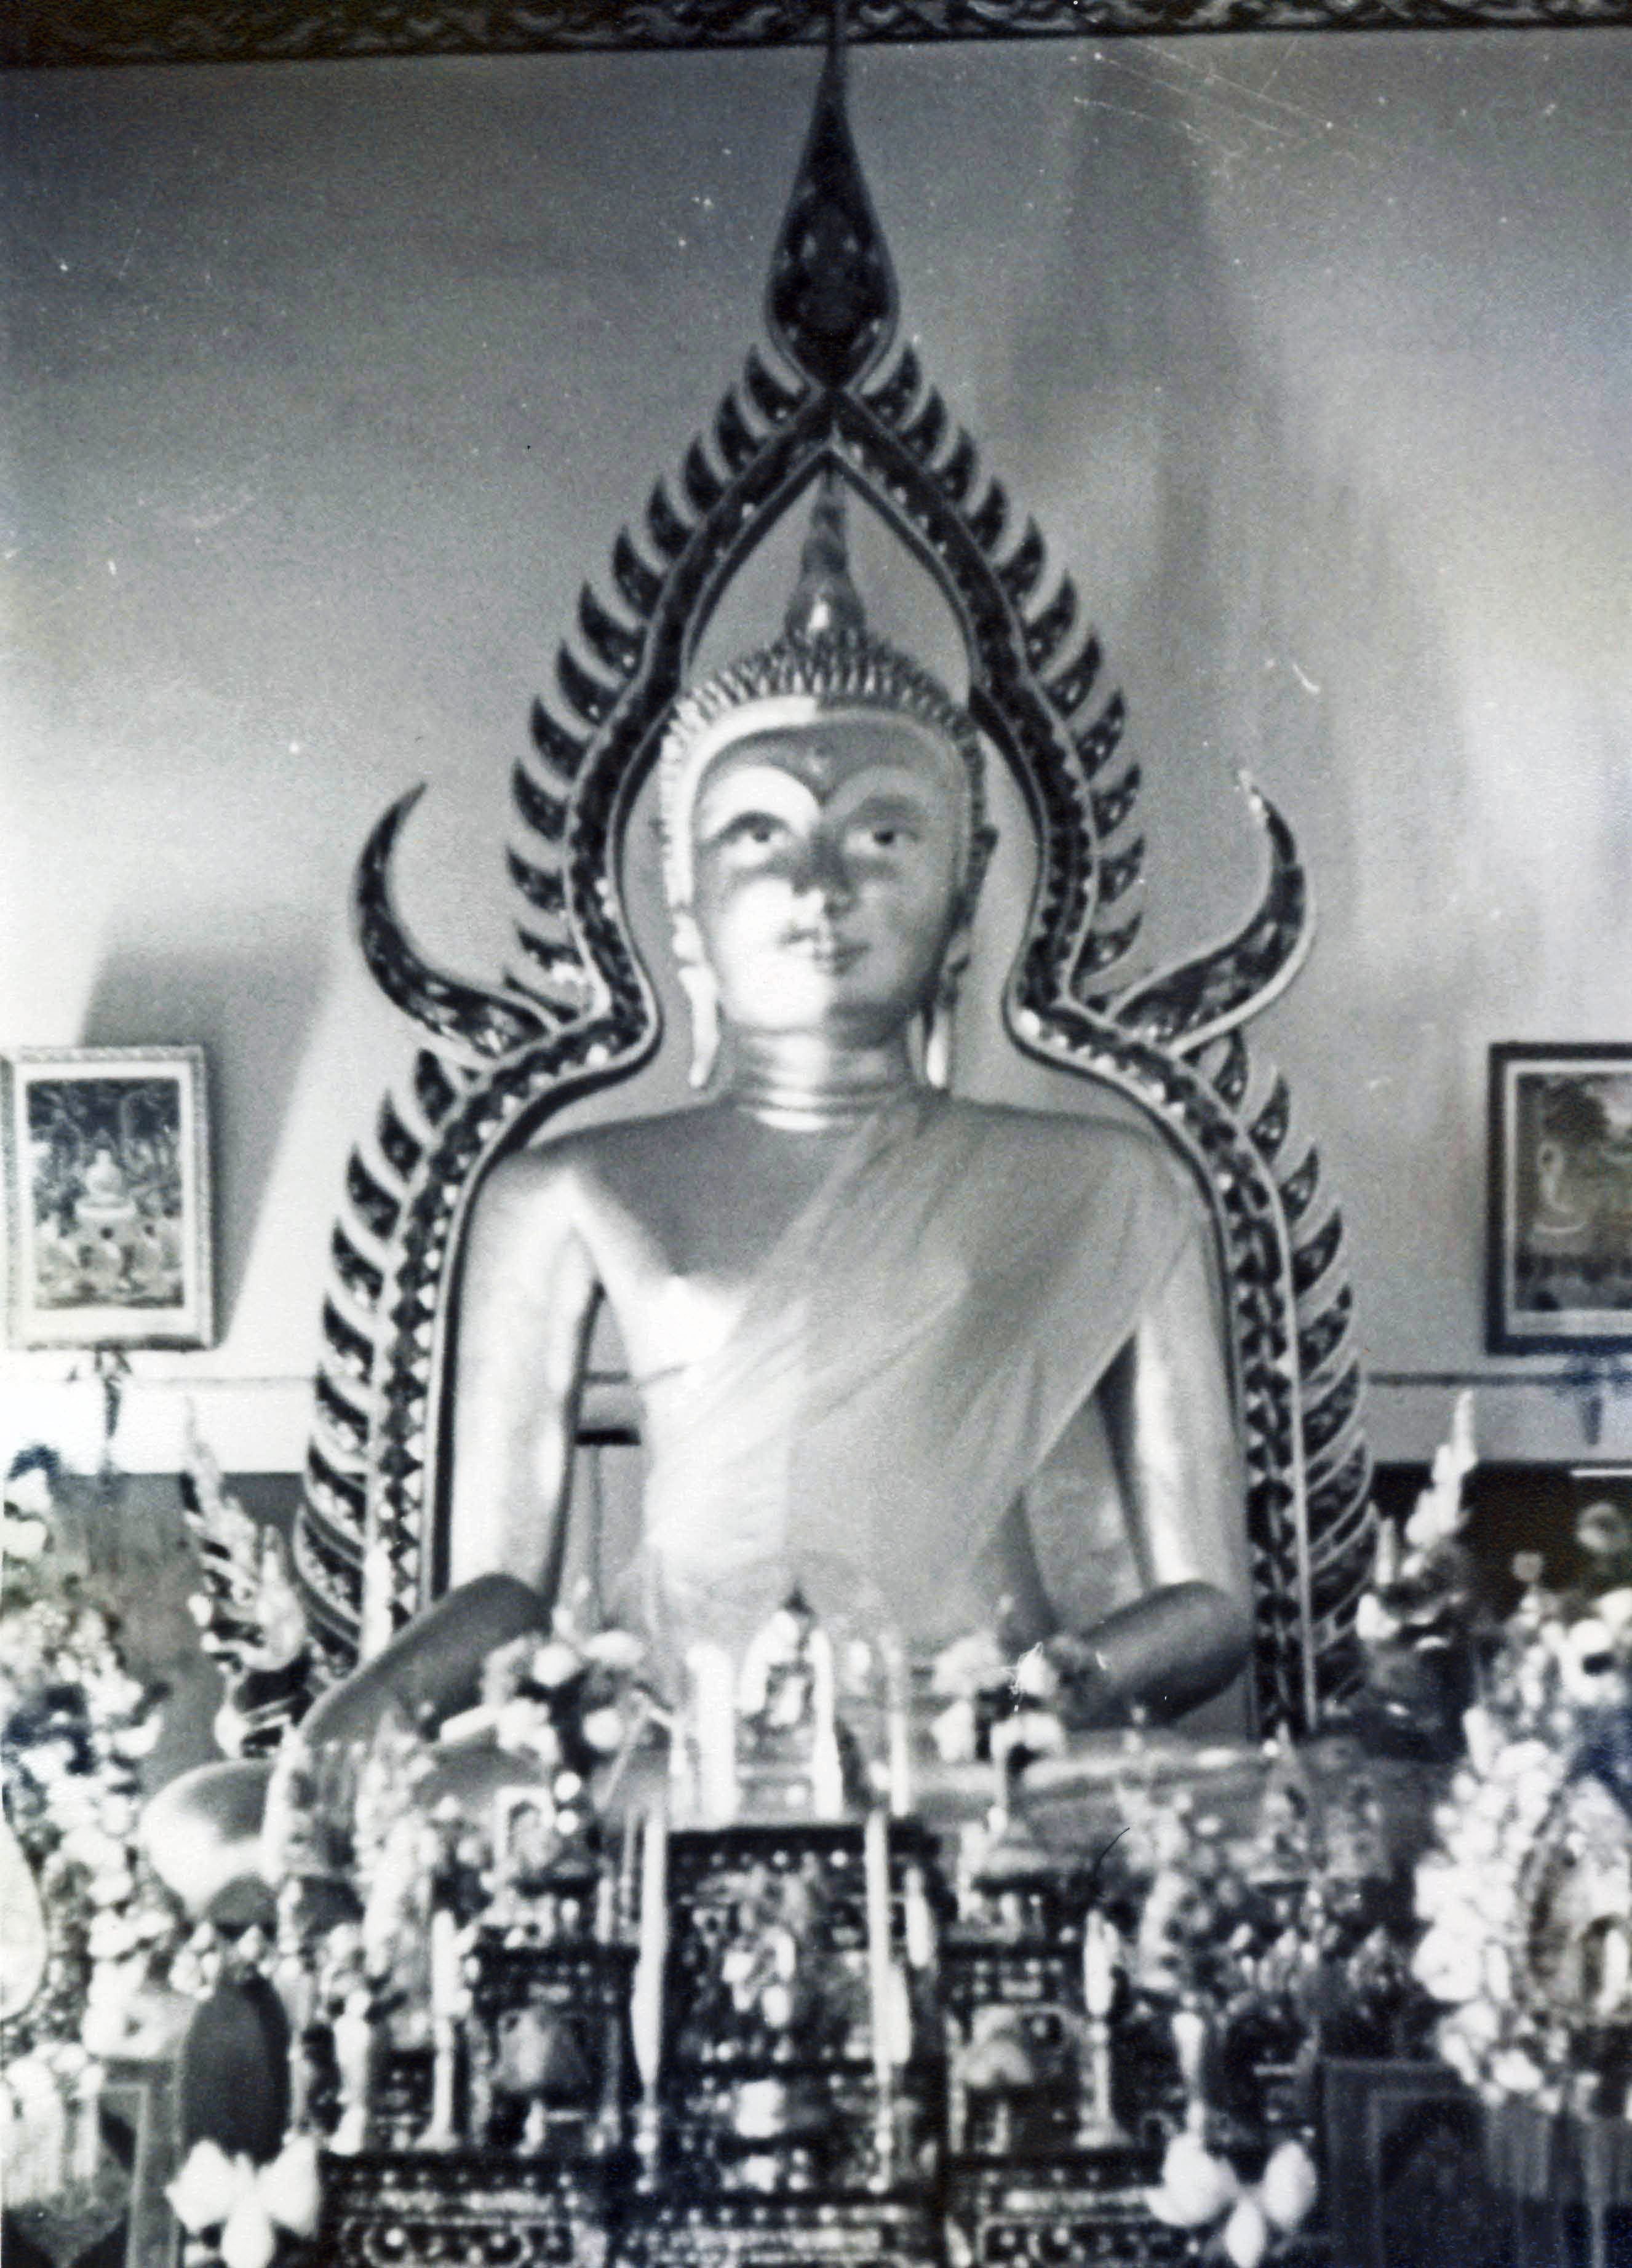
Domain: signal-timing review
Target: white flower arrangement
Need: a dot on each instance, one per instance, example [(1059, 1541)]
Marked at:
[(1413, 1621), (1202, 2191), (998, 1705), (245, 2210), (88, 1932), (573, 1703), (1526, 1894)]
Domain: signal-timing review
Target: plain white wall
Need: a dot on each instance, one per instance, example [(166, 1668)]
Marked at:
[(326, 386)]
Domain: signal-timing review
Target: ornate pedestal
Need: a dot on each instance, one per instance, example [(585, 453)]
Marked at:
[(741, 2232), (1058, 2212), (400, 2209)]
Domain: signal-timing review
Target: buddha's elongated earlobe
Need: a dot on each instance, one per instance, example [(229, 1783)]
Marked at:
[(938, 1041), (939, 1015), (704, 1002), (702, 999)]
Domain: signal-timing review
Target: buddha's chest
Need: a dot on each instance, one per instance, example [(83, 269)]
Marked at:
[(680, 1252)]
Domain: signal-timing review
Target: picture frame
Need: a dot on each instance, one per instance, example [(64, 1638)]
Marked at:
[(1560, 1180), (107, 1197)]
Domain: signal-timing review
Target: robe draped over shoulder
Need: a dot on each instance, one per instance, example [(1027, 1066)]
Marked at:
[(911, 1351)]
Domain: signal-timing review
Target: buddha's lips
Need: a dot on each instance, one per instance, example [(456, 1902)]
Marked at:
[(834, 955)]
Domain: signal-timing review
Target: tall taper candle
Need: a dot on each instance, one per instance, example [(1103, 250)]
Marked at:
[(446, 1991), (876, 1873), (897, 1721), (88, 2134), (714, 1714), (646, 1999), (826, 1766), (1099, 1962)]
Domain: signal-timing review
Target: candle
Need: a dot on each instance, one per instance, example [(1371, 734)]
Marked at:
[(1098, 2128), (354, 2053), (627, 1854), (714, 1717), (1099, 1946), (88, 2135), (1189, 2031), (827, 1769), (445, 1994), (897, 1726), (646, 1999), (876, 1874)]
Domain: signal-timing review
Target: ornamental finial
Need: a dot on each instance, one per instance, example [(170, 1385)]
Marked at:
[(830, 300), (824, 602)]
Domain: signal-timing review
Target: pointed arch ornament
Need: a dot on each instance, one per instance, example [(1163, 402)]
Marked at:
[(579, 1012)]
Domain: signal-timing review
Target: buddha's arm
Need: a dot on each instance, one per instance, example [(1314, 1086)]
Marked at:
[(525, 1307), (1173, 1433)]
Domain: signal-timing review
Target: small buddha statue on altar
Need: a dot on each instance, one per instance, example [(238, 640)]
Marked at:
[(796, 1753)]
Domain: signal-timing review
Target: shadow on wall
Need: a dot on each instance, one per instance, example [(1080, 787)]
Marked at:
[(252, 1008), (1270, 617)]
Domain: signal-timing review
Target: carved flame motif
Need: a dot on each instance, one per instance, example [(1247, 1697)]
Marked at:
[(578, 1013), (830, 303)]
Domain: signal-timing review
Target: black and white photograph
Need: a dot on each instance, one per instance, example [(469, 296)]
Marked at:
[(1561, 1142), (860, 1490), (108, 1197)]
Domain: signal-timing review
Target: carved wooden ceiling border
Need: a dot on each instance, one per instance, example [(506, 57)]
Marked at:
[(38, 32)]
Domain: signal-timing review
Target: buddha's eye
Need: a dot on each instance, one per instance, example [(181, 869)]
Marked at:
[(758, 828), (885, 834)]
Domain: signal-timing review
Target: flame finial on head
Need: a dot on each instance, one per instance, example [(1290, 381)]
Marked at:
[(824, 602)]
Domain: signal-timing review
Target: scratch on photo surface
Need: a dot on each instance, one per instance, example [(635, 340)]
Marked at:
[(1192, 133)]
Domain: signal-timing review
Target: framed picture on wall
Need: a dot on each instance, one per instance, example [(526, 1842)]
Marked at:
[(107, 1197), (1561, 1198)]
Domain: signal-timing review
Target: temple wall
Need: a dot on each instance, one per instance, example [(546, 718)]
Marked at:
[(325, 386)]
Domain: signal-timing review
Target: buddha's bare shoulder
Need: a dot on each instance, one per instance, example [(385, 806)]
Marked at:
[(579, 1173)]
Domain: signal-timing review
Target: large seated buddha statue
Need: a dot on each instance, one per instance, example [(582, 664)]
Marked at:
[(863, 1316), (876, 1333)]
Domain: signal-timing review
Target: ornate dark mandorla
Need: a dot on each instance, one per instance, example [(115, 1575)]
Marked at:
[(579, 1012)]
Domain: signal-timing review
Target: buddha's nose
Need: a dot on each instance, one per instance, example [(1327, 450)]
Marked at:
[(823, 873)]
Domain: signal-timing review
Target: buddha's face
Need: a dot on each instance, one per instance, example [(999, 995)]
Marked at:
[(829, 864)]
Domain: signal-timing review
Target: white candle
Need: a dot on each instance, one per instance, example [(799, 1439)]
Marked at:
[(1099, 1943), (1190, 2030), (88, 2136), (646, 1999), (446, 1991), (875, 1875), (897, 1726), (714, 1714), (354, 2052), (826, 1768), (606, 1906), (628, 1855)]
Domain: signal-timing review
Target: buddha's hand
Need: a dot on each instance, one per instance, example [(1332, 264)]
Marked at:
[(1088, 1698)]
